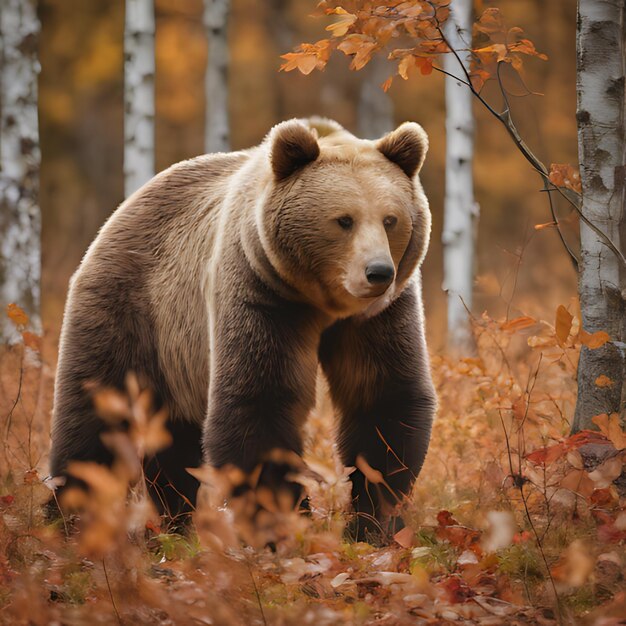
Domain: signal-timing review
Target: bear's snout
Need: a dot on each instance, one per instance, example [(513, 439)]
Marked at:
[(379, 272)]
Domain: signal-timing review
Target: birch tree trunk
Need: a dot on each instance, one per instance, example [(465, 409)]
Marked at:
[(139, 66), (460, 209), (375, 107), (601, 47), (20, 218), (216, 133)]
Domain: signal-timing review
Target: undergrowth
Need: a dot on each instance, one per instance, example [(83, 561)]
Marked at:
[(511, 521)]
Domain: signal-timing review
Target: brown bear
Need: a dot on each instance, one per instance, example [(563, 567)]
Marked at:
[(225, 280)]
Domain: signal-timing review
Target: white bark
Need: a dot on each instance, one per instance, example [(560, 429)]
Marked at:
[(460, 208), (20, 218), (216, 134), (375, 108), (601, 48), (138, 94)]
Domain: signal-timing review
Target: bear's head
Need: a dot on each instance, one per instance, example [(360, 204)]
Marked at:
[(344, 221)]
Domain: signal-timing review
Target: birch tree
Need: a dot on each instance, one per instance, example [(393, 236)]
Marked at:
[(601, 47), (375, 107), (216, 134), (20, 219), (139, 65), (460, 208)]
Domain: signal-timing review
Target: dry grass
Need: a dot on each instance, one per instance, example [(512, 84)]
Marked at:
[(494, 535)]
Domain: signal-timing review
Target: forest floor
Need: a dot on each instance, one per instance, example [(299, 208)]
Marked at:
[(512, 520)]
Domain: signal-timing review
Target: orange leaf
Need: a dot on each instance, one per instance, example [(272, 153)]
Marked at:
[(425, 64), (595, 340), (342, 25), (405, 537), (563, 324), (518, 323), (610, 426), (17, 315), (490, 22), (546, 225), (564, 175), (547, 456), (579, 482), (305, 63), (387, 84), (31, 340), (405, 63)]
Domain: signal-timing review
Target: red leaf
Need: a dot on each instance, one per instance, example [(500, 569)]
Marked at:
[(444, 518)]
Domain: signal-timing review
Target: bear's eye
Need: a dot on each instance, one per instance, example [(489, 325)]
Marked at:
[(390, 221), (345, 221)]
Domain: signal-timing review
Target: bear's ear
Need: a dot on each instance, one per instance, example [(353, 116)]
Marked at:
[(406, 146), (293, 147)]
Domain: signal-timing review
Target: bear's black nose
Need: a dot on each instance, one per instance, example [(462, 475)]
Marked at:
[(379, 272)]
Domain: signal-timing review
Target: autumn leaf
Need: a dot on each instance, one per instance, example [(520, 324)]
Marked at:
[(610, 426), (593, 340), (575, 565), (578, 481), (518, 323), (549, 454), (445, 518), (563, 324), (342, 25), (17, 315), (387, 84), (405, 537), (301, 61), (546, 225), (425, 65), (405, 63), (31, 340), (564, 175), (307, 57), (490, 22), (360, 47)]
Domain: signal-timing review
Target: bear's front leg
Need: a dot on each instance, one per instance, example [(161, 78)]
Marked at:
[(380, 383), (263, 369)]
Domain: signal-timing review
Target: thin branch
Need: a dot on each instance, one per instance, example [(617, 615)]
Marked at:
[(256, 592), (106, 577), (505, 119), (571, 253), (442, 71)]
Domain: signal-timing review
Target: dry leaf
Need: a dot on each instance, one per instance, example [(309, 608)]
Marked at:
[(17, 315), (610, 426), (563, 324)]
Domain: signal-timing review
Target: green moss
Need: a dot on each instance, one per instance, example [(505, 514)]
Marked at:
[(521, 562), (172, 546), (76, 586)]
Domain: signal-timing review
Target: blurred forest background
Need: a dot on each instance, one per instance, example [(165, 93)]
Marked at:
[(81, 128)]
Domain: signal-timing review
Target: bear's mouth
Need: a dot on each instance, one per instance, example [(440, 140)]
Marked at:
[(372, 292)]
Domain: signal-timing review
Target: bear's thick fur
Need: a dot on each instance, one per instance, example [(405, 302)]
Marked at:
[(224, 282)]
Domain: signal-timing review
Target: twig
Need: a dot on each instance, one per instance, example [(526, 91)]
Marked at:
[(505, 119), (543, 554), (106, 577), (17, 399), (573, 257), (256, 592)]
